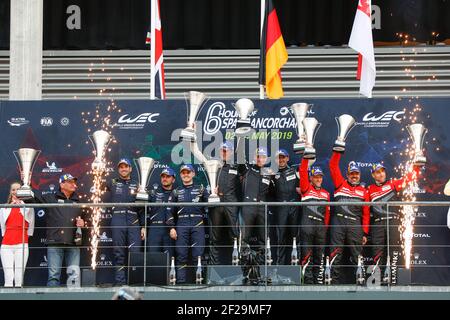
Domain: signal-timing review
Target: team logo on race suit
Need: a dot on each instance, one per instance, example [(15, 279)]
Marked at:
[(372, 120), (51, 189), (51, 168), (40, 213), (44, 262), (18, 122), (219, 117), (46, 121), (128, 121)]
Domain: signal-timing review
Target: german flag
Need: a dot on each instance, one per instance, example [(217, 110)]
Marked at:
[(273, 53)]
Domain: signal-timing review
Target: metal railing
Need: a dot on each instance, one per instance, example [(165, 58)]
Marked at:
[(268, 208)]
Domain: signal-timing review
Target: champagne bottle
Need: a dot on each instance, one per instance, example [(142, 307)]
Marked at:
[(387, 271), (268, 253), (78, 237), (327, 272), (198, 273), (294, 254), (172, 274), (235, 254), (359, 272)]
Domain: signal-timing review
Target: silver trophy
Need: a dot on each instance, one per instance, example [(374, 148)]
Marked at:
[(345, 124), (196, 100), (300, 111), (26, 158), (417, 132), (100, 139), (212, 168), (244, 108), (311, 126), (145, 167)]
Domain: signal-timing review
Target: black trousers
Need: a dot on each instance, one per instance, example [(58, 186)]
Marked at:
[(286, 221), (379, 234), (253, 230), (224, 228), (344, 233), (313, 240)]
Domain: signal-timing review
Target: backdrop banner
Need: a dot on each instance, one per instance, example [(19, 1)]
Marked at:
[(151, 128)]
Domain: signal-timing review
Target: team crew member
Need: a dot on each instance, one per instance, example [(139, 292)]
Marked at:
[(17, 224), (126, 222), (62, 224), (314, 222), (189, 231), (158, 239), (256, 186), (384, 190), (350, 224), (285, 185), (224, 219)]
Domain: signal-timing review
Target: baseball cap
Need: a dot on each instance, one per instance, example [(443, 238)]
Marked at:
[(261, 152), (315, 171), (187, 167), (282, 152), (227, 145), (125, 161), (66, 177), (376, 167), (168, 171), (353, 167)]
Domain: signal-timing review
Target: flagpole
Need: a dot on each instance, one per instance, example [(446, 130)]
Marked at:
[(152, 48), (263, 11)]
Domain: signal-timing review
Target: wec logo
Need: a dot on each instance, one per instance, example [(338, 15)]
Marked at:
[(128, 122), (387, 116), (142, 118), (382, 121)]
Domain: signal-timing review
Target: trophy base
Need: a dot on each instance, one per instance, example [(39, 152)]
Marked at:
[(299, 147), (420, 160), (243, 128), (142, 197), (188, 135), (310, 153), (213, 198), (25, 193), (339, 146), (98, 166)]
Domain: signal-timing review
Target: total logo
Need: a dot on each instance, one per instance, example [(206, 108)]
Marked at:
[(51, 168), (218, 117), (103, 262), (365, 164), (46, 122), (127, 121), (18, 122), (421, 235), (371, 120), (417, 260)]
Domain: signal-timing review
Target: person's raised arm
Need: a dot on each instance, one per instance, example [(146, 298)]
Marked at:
[(335, 171)]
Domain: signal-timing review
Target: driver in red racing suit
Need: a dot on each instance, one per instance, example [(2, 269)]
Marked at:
[(349, 224), (384, 190)]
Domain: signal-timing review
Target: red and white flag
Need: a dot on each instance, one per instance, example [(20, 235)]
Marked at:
[(154, 37), (361, 40)]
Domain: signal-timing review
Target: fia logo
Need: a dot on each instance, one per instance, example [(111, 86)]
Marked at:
[(46, 121)]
